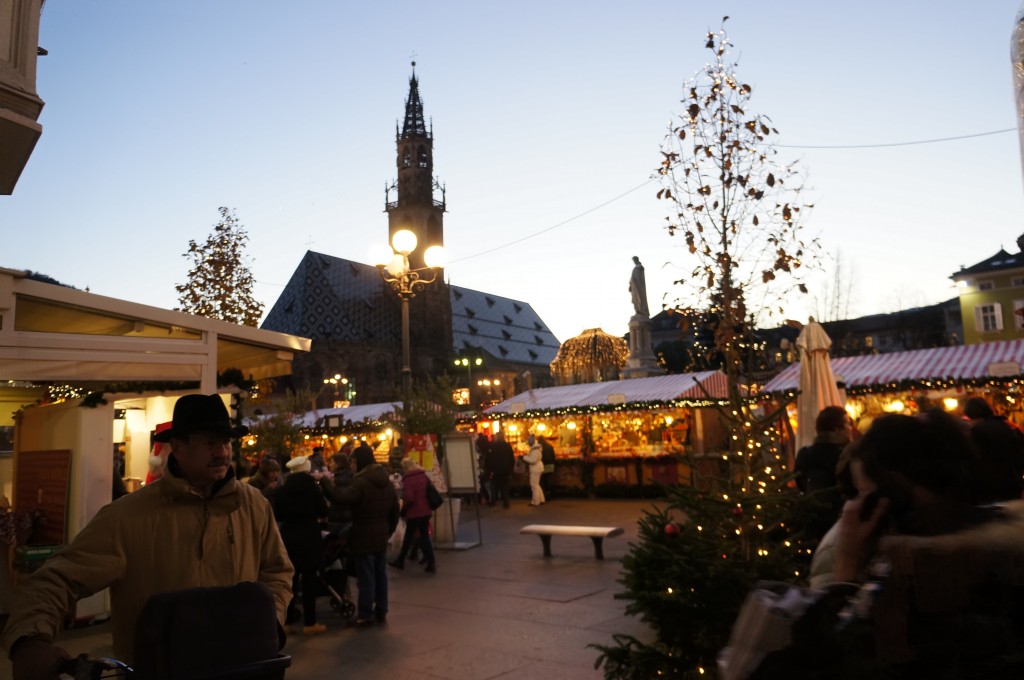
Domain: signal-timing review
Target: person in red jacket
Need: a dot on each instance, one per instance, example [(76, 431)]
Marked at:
[(417, 512)]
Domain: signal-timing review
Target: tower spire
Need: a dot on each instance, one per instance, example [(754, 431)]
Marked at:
[(414, 125)]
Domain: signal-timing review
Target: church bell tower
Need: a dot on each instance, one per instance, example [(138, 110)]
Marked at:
[(415, 206), (411, 203)]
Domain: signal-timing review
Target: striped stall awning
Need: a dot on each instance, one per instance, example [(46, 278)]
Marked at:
[(1001, 359), (663, 388)]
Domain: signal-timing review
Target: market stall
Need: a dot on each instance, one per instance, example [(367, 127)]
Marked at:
[(619, 436), (332, 427), (913, 381)]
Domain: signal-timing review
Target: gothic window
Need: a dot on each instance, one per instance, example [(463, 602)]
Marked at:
[(422, 156), (406, 160)]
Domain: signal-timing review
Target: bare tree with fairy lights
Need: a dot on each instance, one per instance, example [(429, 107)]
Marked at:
[(220, 282), (738, 210)]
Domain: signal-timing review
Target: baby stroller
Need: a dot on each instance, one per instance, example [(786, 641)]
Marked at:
[(215, 633), (334, 571)]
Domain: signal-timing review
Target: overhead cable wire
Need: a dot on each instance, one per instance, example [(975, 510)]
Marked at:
[(556, 226), (879, 146)]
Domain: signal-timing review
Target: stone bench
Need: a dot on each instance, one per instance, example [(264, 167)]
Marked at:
[(596, 534)]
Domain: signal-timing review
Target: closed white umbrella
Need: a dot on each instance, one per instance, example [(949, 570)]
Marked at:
[(817, 381)]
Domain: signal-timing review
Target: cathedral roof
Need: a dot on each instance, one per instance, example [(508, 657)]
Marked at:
[(333, 298), (505, 328)]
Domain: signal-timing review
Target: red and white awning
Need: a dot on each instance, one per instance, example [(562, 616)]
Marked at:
[(964, 362)]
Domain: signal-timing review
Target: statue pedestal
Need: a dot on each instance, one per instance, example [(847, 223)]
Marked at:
[(642, 362)]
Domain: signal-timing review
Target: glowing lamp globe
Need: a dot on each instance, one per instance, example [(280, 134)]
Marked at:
[(404, 241), (435, 256), (396, 267), (381, 254)]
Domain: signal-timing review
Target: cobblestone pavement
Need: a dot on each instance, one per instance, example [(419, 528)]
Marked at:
[(500, 610)]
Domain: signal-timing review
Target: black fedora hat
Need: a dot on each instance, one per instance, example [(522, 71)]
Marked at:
[(200, 413)]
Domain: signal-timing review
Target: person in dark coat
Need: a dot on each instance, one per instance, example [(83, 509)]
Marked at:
[(547, 456), (339, 513), (374, 518), (1001, 452), (299, 507), (500, 462), (267, 478), (483, 445), (816, 466), (417, 513)]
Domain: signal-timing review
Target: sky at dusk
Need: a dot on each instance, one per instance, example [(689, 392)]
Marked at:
[(547, 118)]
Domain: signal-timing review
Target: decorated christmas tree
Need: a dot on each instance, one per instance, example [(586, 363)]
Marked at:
[(738, 519)]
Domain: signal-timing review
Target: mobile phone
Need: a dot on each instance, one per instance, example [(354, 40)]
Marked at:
[(867, 507)]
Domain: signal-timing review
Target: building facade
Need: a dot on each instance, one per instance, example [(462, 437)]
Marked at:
[(992, 297)]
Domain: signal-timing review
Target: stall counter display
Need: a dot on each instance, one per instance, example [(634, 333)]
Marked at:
[(627, 434)]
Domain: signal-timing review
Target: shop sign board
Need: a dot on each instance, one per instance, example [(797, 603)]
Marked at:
[(1002, 369)]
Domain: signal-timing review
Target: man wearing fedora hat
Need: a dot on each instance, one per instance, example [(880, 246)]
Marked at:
[(196, 526)]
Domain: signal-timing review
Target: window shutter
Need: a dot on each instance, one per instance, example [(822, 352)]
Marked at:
[(977, 319)]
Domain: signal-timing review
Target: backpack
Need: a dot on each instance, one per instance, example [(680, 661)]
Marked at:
[(434, 498), (547, 454)]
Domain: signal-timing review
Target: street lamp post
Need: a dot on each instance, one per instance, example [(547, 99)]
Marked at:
[(393, 264), (469, 364), (349, 388)]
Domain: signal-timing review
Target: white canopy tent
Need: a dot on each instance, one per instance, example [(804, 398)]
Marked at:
[(54, 333), (695, 386)]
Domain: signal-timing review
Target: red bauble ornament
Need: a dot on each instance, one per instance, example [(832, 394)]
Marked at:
[(671, 529), (736, 512)]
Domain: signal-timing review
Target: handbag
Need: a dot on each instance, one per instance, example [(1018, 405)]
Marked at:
[(434, 498)]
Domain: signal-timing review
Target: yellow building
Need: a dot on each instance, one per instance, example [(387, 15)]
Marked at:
[(992, 297)]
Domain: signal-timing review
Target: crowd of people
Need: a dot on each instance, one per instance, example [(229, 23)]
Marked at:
[(497, 463), (923, 566)]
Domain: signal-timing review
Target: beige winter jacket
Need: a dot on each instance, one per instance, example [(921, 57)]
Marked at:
[(162, 538)]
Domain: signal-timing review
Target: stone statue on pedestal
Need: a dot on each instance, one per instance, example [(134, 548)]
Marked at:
[(638, 289), (641, 362)]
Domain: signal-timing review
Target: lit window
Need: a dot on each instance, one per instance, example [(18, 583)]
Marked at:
[(985, 285)]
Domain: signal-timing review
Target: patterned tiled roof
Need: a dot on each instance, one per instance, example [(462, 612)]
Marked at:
[(505, 328), (332, 298)]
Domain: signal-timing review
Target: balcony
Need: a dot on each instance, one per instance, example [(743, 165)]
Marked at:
[(19, 104)]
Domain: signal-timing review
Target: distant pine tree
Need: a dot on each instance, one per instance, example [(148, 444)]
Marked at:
[(220, 283)]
